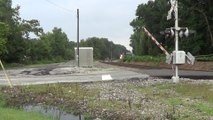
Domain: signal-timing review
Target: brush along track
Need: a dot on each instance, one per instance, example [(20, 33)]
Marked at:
[(138, 66)]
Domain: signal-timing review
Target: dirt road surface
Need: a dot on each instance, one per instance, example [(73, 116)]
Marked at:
[(67, 72)]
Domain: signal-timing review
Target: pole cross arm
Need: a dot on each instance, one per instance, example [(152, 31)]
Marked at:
[(173, 4)]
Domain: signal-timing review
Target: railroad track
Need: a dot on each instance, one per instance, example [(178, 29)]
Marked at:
[(165, 72), (130, 65)]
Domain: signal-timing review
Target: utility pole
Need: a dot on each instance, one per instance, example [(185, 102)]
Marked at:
[(78, 37)]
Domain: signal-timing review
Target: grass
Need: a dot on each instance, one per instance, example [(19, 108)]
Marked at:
[(88, 116), (2, 100), (31, 64), (174, 101), (196, 91), (15, 114), (207, 109), (20, 65), (190, 97), (180, 95)]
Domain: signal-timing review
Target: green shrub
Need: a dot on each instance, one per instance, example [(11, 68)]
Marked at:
[(2, 100), (204, 58), (88, 116), (144, 59)]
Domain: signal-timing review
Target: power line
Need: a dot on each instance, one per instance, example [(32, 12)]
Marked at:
[(63, 8)]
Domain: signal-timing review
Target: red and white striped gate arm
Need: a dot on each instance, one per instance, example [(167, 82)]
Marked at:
[(156, 42)]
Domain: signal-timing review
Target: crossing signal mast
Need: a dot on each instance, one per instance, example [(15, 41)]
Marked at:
[(177, 57)]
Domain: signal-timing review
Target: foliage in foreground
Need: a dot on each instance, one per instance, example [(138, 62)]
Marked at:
[(15, 114), (121, 100)]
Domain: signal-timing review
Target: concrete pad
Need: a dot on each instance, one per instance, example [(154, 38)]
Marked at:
[(106, 77)]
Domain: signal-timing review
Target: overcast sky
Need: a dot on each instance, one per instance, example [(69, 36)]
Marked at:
[(98, 18)]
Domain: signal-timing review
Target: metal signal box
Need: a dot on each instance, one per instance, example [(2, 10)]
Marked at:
[(85, 56), (179, 57)]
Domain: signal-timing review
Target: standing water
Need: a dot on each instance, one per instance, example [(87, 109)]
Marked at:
[(54, 112)]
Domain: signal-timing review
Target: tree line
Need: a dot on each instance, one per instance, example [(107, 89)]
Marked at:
[(17, 45), (194, 14), (103, 48)]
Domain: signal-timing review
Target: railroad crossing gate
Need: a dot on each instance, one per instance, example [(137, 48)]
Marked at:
[(176, 58)]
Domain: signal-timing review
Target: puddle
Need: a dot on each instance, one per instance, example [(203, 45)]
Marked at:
[(54, 112)]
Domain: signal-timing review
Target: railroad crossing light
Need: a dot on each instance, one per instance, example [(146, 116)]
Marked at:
[(184, 32), (169, 33)]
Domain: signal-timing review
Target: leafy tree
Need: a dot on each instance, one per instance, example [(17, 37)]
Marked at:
[(14, 43), (98, 46), (31, 26), (59, 43), (200, 21), (148, 15), (3, 38), (194, 14), (18, 30), (103, 48), (54, 45)]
